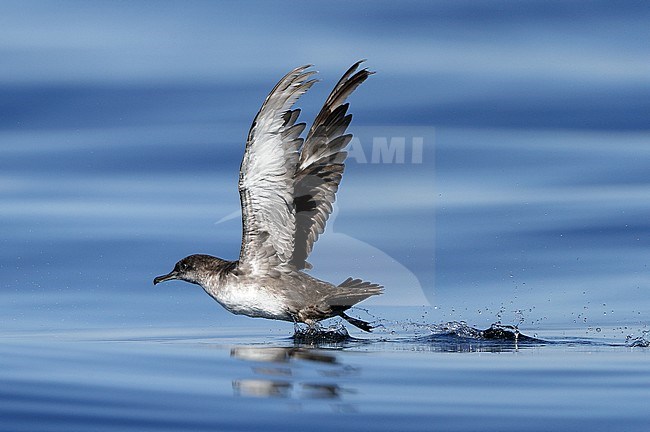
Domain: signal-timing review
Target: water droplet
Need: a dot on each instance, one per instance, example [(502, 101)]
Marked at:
[(598, 329)]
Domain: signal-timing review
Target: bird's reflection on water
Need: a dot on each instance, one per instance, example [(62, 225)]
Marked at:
[(280, 372), (314, 371)]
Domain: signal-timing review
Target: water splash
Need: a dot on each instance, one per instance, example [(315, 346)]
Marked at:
[(455, 336), (316, 335), (640, 341), (496, 332)]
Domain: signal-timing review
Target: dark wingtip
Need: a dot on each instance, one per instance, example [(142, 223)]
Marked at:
[(355, 66)]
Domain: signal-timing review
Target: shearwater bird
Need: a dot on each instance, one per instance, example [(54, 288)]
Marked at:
[(287, 186)]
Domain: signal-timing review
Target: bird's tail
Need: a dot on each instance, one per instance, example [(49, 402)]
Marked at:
[(350, 292)]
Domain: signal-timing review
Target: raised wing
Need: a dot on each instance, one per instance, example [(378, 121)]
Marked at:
[(321, 166), (266, 177)]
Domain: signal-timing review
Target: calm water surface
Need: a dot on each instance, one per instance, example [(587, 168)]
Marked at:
[(236, 379), (513, 187)]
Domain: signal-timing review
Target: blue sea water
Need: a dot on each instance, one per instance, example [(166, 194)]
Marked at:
[(499, 174)]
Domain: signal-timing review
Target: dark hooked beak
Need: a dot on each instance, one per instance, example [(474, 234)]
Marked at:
[(170, 276)]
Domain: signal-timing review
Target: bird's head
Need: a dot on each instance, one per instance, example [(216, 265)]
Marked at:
[(194, 269)]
